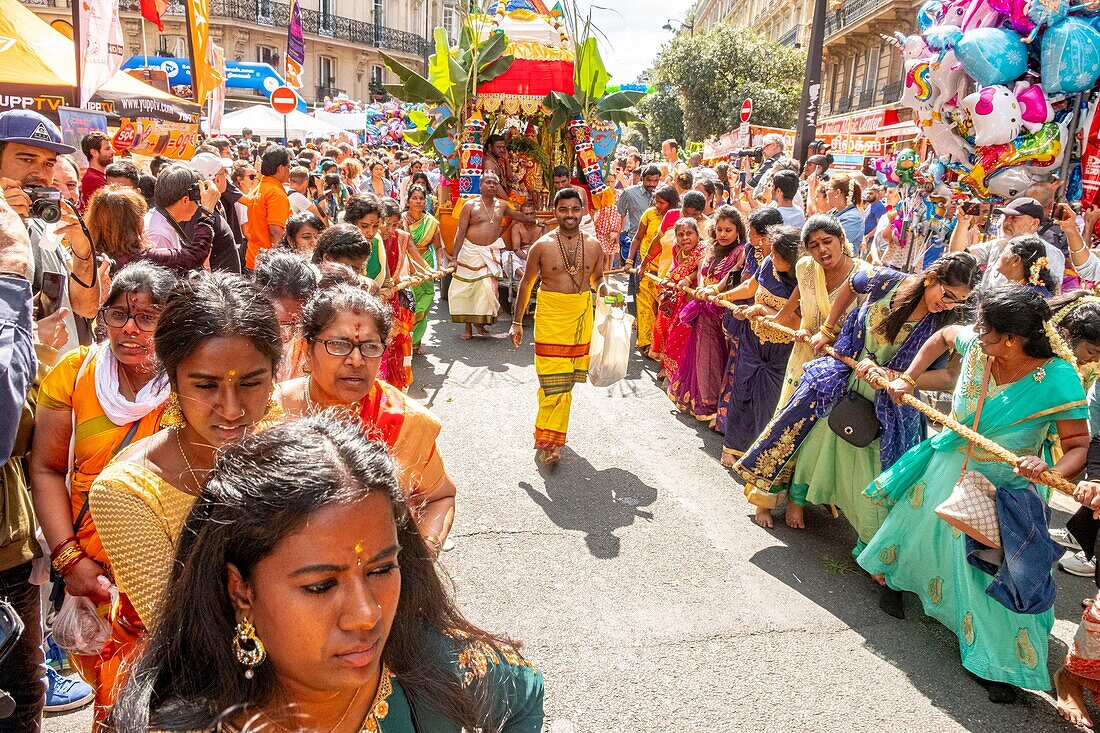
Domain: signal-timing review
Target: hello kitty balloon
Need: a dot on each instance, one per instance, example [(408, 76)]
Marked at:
[(995, 115)]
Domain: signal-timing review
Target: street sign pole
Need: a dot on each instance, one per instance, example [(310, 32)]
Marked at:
[(284, 100), (285, 136), (806, 129)]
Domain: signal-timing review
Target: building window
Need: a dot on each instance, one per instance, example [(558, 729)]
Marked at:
[(379, 12), (377, 79), (269, 55), (326, 76), (174, 46), (265, 12), (451, 24), (326, 18)]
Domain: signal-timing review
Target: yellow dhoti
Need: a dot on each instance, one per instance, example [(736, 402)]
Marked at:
[(473, 294), (563, 333), (646, 303)]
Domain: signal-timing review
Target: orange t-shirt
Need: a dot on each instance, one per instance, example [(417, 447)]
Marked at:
[(269, 206)]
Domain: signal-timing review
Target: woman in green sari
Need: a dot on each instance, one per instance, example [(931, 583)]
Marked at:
[(304, 599), (1034, 395), (425, 232)]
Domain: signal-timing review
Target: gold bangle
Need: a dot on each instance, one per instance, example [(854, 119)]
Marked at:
[(67, 558), (906, 378), (827, 330)]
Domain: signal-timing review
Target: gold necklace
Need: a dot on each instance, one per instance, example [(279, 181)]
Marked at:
[(1019, 372), (572, 266), (312, 408), (187, 461), (335, 725)]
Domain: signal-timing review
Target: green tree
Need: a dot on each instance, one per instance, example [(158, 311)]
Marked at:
[(662, 116), (714, 71)]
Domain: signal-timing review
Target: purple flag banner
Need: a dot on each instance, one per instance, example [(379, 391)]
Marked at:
[(295, 47)]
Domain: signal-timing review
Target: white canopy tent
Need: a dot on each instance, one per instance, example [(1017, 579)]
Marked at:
[(266, 122), (351, 121)]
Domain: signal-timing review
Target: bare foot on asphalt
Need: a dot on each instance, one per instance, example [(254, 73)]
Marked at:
[(764, 517), (795, 516), (1071, 699)]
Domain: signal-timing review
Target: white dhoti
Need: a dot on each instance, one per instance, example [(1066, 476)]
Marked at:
[(473, 294)]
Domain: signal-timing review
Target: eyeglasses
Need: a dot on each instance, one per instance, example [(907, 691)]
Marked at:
[(343, 347), (117, 318)]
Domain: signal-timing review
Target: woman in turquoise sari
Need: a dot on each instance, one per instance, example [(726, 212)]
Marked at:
[(424, 229), (305, 599), (884, 334), (1032, 398)]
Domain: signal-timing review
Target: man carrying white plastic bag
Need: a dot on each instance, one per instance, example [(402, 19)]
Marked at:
[(570, 264), (611, 337)]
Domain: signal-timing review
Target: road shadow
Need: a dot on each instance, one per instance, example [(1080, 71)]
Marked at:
[(598, 503), (817, 563)]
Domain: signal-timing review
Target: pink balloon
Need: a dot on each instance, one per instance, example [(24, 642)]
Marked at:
[(979, 13), (1034, 105)]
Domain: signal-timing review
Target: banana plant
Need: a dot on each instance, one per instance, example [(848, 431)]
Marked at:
[(590, 98), (454, 75)]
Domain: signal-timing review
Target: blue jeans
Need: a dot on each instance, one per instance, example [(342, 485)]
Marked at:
[(23, 671)]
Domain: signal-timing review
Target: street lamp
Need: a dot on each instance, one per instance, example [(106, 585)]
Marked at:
[(668, 26)]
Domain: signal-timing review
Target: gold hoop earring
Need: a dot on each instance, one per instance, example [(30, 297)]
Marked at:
[(273, 413), (248, 648), (1008, 343), (172, 417)]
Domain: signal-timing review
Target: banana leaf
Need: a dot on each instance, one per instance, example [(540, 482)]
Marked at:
[(413, 87), (439, 72), (494, 69), (564, 106), (619, 101), (590, 76)]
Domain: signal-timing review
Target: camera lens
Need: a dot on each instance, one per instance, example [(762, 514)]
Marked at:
[(45, 210)]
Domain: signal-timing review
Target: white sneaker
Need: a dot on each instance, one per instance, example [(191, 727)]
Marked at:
[(1076, 564), (1065, 539)]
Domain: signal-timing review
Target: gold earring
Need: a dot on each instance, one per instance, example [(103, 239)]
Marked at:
[(248, 648), (927, 282), (273, 413), (172, 417), (1009, 343)]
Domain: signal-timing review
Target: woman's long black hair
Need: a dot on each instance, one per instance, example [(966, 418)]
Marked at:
[(261, 490), (1030, 249), (959, 269), (1016, 310), (717, 252)]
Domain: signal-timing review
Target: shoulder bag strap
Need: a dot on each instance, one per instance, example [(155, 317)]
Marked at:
[(978, 411), (126, 440)]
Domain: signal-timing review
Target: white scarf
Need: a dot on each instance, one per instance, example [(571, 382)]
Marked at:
[(120, 410)]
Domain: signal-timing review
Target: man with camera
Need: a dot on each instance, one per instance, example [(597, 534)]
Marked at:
[(180, 196), (770, 151), (64, 279), (1021, 216), (224, 254), (269, 205)]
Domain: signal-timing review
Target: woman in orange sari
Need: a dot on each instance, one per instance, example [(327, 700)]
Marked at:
[(345, 330), (94, 403)]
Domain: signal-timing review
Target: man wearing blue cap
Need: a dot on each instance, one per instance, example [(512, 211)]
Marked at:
[(29, 146)]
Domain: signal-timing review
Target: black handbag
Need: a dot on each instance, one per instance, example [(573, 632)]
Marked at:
[(853, 419)]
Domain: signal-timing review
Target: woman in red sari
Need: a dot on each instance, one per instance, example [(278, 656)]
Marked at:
[(345, 330), (668, 340)]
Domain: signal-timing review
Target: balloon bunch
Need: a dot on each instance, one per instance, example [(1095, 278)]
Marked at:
[(992, 84)]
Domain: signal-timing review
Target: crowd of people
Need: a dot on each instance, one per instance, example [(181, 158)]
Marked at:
[(211, 454), (211, 458), (745, 283)]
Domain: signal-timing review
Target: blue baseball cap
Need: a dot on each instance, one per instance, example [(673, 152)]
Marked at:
[(30, 128)]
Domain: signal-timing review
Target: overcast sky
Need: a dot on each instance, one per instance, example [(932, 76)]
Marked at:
[(633, 30)]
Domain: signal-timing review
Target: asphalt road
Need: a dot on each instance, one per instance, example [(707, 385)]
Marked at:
[(640, 586)]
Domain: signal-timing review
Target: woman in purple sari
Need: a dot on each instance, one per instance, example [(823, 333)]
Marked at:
[(755, 375), (697, 383), (883, 335), (757, 249)]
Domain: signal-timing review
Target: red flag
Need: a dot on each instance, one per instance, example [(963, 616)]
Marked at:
[(152, 10)]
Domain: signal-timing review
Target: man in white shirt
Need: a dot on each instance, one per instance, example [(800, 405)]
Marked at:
[(784, 189), (1021, 216), (297, 189)]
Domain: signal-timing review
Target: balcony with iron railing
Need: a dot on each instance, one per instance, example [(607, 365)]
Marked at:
[(852, 12), (277, 15), (328, 91)]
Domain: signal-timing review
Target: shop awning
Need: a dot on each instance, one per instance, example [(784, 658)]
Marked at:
[(38, 72), (866, 123), (905, 129)]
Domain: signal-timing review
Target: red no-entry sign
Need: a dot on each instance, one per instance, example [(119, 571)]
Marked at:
[(284, 100), (746, 110)]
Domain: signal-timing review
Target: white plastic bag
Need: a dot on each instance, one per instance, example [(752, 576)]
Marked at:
[(78, 627), (611, 336)]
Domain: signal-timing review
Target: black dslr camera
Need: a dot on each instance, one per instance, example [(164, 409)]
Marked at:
[(757, 154), (194, 192), (45, 203)]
